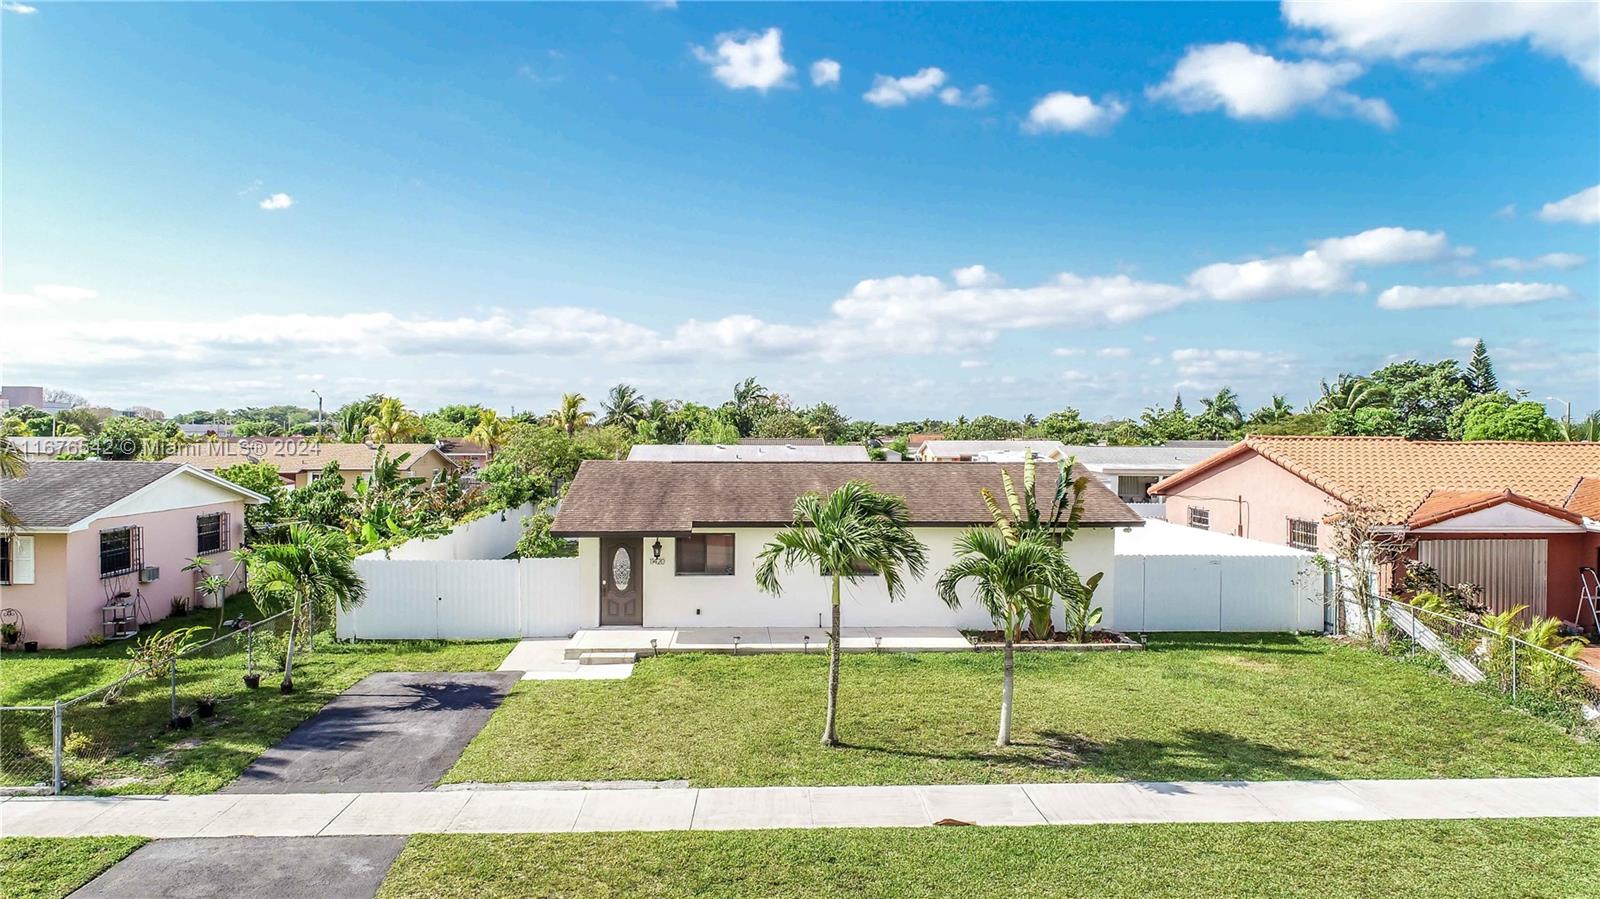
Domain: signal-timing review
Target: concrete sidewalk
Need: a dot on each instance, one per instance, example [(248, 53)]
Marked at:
[(731, 808)]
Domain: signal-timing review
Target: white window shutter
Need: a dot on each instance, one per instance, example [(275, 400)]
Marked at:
[(22, 560)]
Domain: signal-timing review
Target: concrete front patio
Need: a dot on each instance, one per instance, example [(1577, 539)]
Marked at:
[(646, 640)]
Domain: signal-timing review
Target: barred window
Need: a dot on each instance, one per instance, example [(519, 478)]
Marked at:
[(1303, 534), (1200, 518), (211, 532), (119, 551)]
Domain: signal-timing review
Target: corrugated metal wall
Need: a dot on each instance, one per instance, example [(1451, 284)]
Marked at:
[(1510, 572)]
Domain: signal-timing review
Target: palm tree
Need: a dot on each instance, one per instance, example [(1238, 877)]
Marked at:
[(852, 533), (623, 406), (392, 422), (1012, 579), (490, 432), (1277, 410), (12, 467), (570, 415), (313, 568), (1225, 405), (1349, 393), (1056, 525)]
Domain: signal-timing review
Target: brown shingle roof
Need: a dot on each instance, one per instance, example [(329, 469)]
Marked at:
[(675, 497), (1395, 475), (291, 455)]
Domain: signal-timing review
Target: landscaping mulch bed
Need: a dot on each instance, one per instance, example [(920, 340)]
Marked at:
[(1060, 641)]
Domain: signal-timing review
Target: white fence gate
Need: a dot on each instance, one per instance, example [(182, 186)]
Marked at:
[(1174, 578)]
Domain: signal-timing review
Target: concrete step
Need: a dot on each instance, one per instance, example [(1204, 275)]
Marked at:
[(608, 657)]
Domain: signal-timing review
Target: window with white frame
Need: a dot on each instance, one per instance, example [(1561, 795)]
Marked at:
[(1200, 517), (1303, 534)]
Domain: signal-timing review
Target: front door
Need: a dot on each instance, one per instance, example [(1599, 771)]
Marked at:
[(621, 581)]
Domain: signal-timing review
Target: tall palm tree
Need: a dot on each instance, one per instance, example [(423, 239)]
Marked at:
[(1277, 410), (1225, 405), (570, 415), (491, 431), (392, 422), (849, 534), (12, 467), (623, 406), (1349, 393), (1011, 578), (314, 568)]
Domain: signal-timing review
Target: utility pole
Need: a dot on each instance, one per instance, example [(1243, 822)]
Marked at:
[(319, 414)]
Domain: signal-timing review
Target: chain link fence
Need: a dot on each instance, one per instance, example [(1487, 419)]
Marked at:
[(175, 682)]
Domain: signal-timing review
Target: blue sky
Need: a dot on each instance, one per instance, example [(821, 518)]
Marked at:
[(980, 208)]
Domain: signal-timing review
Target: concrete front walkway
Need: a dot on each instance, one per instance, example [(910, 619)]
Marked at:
[(730, 808), (764, 639)]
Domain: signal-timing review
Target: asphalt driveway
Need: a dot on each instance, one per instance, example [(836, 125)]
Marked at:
[(398, 731), (250, 868)]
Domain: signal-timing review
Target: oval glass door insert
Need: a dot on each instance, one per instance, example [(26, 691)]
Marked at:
[(621, 569)]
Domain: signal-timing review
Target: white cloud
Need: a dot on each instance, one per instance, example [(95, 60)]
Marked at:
[(1559, 261), (748, 60), (1066, 351), (1326, 268), (1210, 368), (1250, 85), (1582, 207), (21, 9), (1063, 111), (887, 91), (974, 363), (1386, 246), (1507, 212), (975, 276), (825, 72), (1570, 31), (1114, 352), (45, 296), (1470, 295), (974, 98), (277, 201)]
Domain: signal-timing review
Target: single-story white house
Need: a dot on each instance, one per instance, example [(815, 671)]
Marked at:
[(674, 544), (1130, 471), (748, 452)]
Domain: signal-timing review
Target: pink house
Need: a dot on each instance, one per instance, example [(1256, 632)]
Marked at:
[(1519, 520), (101, 546)]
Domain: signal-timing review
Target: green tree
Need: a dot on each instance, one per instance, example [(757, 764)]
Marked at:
[(1012, 579), (12, 467), (263, 478), (984, 427), (312, 572), (826, 421), (783, 423), (127, 437), (537, 542), (1480, 371), (1514, 421), (1349, 393), (623, 407), (1066, 426), (1159, 425), (852, 533), (1224, 406), (322, 503), (392, 422), (1371, 421), (1423, 395), (491, 431), (1301, 423), (569, 415)]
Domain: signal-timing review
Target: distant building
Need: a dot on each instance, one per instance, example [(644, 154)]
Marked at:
[(17, 397), (745, 452)]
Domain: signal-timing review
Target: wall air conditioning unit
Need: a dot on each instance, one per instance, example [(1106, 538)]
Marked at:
[(149, 575)]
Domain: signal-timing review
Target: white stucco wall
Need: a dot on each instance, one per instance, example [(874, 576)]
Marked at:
[(672, 600)]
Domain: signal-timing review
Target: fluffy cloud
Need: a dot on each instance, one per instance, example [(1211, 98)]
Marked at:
[(825, 72), (1582, 207), (277, 201), (21, 9), (1570, 31), (1470, 295), (975, 276), (887, 91), (747, 60), (1326, 268), (974, 98), (1208, 368), (1250, 85), (1559, 261), (1386, 246), (1114, 352), (44, 296), (1064, 111)]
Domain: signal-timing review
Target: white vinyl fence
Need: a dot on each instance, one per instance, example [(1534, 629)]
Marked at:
[(1175, 578), (461, 587)]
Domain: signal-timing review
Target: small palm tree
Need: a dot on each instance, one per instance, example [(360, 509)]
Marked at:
[(1349, 393), (851, 533), (392, 422), (1013, 580), (491, 431), (570, 415), (623, 407), (1277, 410), (314, 568), (12, 467), (1225, 405)]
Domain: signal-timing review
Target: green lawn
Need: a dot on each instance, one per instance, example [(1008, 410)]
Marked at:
[(1207, 707), (41, 868), (1456, 859), (126, 747)]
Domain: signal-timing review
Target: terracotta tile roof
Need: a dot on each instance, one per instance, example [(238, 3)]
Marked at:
[(291, 455), (1585, 497), (1443, 505), (1396, 475), (655, 498)]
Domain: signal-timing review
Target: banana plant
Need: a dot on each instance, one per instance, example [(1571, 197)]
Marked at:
[(1056, 523)]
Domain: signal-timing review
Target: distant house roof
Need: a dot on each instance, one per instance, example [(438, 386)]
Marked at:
[(956, 449), (453, 447), (59, 494), (665, 498), (48, 446), (1396, 475), (781, 441), (741, 452), (292, 455), (1169, 458)]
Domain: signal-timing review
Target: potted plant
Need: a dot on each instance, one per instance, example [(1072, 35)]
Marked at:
[(252, 679), (30, 646), (10, 633), (206, 706), (181, 721)]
